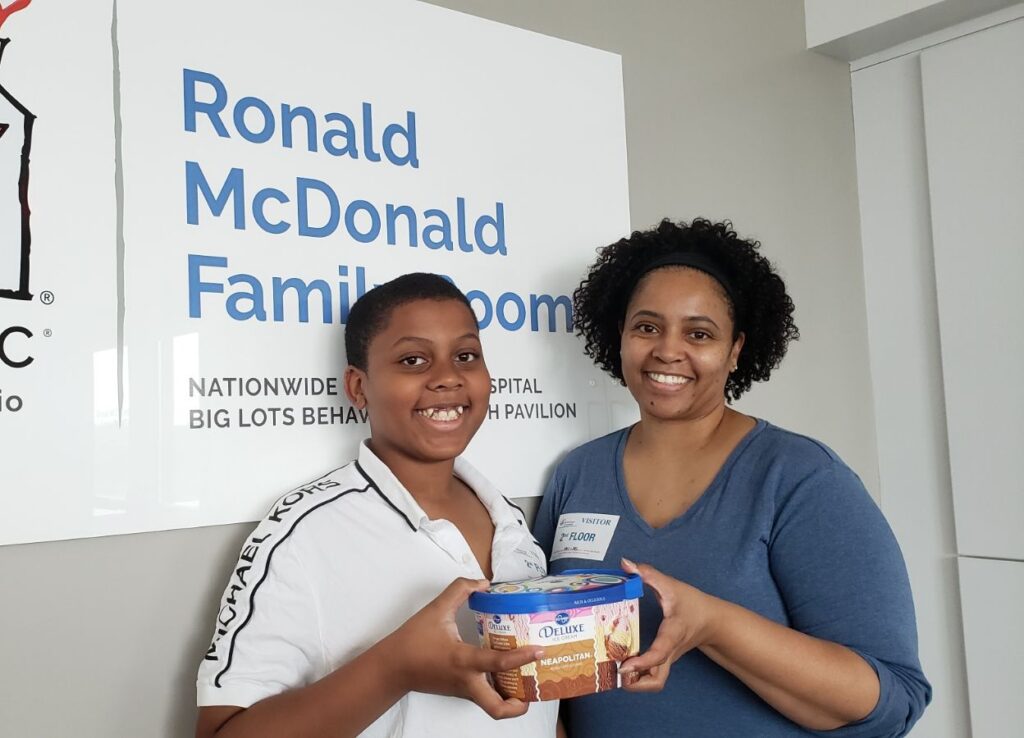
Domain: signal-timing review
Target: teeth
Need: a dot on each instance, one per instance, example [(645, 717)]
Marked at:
[(667, 378), (447, 414)]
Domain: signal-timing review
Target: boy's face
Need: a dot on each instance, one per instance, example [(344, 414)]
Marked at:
[(426, 385)]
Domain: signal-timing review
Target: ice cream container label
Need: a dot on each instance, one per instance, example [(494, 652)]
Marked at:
[(583, 644)]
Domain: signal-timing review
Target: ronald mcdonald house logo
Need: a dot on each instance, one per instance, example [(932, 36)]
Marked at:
[(16, 122), (15, 237)]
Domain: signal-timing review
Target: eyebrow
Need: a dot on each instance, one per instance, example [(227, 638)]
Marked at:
[(688, 319), (420, 339)]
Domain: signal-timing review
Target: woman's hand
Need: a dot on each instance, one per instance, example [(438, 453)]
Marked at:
[(689, 615), (429, 656)]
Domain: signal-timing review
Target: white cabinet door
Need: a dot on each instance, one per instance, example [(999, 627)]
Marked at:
[(974, 128), (992, 597)]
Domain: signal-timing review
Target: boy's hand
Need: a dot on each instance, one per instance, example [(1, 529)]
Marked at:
[(429, 656)]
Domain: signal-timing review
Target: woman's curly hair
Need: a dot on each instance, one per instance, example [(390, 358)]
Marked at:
[(759, 308)]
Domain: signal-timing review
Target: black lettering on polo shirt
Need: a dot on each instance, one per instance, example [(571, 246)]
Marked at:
[(226, 615), (285, 505), (233, 589), (247, 606)]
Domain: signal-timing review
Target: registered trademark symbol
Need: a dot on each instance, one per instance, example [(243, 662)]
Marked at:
[(47, 332), (46, 297)]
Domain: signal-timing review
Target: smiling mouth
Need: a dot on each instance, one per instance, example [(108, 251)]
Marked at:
[(443, 414), (671, 380)]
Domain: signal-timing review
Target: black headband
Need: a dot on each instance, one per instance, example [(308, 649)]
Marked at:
[(694, 261)]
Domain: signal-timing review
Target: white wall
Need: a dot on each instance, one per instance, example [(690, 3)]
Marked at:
[(974, 115), (727, 115), (935, 159), (906, 369)]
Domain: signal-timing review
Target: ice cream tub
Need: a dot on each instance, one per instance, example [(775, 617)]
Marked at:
[(586, 620)]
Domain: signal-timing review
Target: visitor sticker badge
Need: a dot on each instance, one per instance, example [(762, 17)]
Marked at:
[(583, 536)]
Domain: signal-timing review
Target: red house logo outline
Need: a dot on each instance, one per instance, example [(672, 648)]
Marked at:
[(20, 291)]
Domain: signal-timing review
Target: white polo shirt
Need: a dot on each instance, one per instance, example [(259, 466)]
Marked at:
[(337, 565)]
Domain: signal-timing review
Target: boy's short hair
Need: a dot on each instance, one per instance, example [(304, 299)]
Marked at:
[(371, 312)]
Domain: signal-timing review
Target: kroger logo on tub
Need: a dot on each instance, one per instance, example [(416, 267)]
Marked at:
[(562, 618)]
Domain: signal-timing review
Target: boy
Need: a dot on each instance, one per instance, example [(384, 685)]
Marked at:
[(332, 624)]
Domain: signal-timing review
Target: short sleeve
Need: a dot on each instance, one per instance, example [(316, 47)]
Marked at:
[(267, 635), (842, 577)]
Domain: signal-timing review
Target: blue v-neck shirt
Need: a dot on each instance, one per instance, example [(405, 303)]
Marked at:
[(786, 530)]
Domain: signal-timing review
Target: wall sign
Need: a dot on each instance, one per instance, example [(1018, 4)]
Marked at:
[(237, 176)]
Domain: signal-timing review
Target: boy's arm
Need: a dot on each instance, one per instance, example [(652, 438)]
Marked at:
[(424, 655)]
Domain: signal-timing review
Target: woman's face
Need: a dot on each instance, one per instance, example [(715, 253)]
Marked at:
[(677, 345)]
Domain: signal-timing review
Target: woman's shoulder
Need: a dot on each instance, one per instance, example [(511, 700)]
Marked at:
[(788, 458), (603, 448), (795, 446)]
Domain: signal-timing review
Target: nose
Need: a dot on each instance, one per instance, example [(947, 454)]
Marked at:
[(670, 348), (445, 376)]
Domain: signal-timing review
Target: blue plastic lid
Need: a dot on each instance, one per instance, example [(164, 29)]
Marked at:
[(571, 589)]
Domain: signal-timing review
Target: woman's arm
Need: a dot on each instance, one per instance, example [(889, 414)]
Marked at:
[(849, 657), (815, 683), (424, 655)]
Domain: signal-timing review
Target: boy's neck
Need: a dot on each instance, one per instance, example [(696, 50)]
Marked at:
[(425, 480)]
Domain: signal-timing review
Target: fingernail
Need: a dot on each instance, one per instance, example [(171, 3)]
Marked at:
[(538, 654), (628, 564), (625, 669)]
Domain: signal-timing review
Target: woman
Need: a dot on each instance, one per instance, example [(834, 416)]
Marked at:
[(782, 605)]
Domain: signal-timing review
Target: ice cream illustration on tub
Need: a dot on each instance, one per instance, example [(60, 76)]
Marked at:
[(587, 621)]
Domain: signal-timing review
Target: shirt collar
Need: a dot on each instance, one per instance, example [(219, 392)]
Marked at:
[(502, 511)]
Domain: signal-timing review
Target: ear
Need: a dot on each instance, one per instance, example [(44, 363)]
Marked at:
[(354, 380), (737, 346)]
